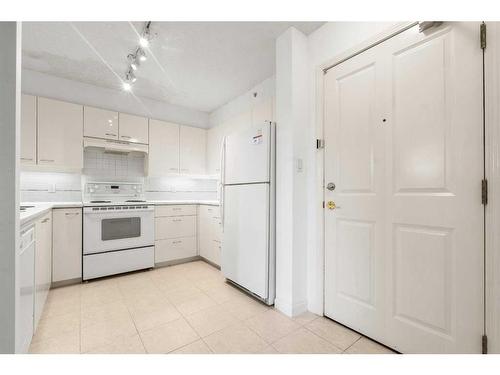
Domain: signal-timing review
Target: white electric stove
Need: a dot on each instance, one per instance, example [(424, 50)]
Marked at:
[(118, 229)]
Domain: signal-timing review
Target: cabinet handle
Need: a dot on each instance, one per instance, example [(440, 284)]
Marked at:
[(177, 220), (111, 134), (48, 160), (27, 159), (176, 242), (173, 169), (125, 136), (45, 220), (72, 213)]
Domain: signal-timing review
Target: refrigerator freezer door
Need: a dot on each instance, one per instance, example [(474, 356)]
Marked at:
[(245, 245), (247, 155)]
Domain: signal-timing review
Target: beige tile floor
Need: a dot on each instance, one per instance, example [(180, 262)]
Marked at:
[(186, 308)]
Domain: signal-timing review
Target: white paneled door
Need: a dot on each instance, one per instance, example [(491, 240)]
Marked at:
[(404, 229)]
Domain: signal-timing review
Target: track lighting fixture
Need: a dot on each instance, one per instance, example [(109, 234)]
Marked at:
[(137, 57)]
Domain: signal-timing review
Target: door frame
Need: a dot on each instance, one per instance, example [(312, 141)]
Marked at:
[(492, 157)]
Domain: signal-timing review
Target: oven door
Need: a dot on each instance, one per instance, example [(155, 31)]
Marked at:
[(117, 230)]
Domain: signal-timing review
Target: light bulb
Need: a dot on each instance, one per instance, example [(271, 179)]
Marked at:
[(133, 65), (127, 86), (143, 42)]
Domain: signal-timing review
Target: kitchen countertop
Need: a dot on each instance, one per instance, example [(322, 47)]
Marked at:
[(40, 208)]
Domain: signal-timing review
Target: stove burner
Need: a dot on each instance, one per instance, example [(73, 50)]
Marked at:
[(135, 201), (100, 201)]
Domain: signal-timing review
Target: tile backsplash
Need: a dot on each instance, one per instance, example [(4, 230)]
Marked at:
[(104, 167)]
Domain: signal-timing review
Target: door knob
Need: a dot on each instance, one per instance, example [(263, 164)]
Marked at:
[(330, 186), (331, 205)]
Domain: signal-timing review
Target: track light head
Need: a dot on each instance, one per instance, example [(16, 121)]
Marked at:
[(134, 61), (141, 54), (130, 76)]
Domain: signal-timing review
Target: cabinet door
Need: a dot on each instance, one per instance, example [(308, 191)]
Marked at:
[(100, 123), (163, 148), (60, 134), (67, 244), (215, 137), (133, 128), (205, 231), (28, 129), (193, 146), (43, 263)]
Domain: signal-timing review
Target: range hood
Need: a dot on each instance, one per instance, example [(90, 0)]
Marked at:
[(114, 146)]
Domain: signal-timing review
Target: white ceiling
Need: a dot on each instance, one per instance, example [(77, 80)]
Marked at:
[(198, 65)]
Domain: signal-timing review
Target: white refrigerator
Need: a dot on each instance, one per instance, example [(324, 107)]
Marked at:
[(248, 210)]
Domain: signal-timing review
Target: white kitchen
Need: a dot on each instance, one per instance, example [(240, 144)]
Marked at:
[(188, 188)]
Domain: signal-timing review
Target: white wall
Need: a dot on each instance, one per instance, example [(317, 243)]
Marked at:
[(10, 91), (292, 106), (243, 103), (41, 84), (325, 44)]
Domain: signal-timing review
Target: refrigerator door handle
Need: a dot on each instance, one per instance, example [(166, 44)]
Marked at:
[(222, 180)]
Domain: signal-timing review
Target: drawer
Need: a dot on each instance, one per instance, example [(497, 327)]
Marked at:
[(175, 210), (209, 211), (173, 249), (175, 227)]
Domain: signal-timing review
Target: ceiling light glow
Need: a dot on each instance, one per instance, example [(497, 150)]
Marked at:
[(143, 42), (135, 58)]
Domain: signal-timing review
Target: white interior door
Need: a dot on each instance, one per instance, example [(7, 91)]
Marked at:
[(404, 249)]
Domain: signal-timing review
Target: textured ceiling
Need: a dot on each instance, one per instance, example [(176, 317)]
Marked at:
[(199, 65)]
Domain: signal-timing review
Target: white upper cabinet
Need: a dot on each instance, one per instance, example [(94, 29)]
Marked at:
[(28, 129), (193, 150), (133, 128), (163, 148), (100, 123), (60, 134)]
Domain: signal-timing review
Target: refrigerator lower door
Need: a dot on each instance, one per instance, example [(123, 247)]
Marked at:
[(245, 245)]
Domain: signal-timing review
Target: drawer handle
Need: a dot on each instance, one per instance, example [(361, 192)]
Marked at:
[(111, 134), (174, 169), (176, 242), (177, 220), (125, 136), (47, 160), (72, 213), (27, 159), (177, 208), (45, 220)]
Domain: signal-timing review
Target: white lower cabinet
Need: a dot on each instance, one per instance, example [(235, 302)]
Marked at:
[(67, 244), (176, 248), (210, 229), (43, 263), (175, 232)]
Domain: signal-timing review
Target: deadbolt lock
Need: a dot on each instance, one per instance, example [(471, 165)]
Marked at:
[(331, 205), (330, 186)]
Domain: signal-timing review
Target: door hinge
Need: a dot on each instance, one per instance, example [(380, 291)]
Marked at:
[(320, 143), (484, 192), (483, 35), (484, 344)]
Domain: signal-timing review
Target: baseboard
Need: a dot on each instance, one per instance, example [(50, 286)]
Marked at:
[(289, 309), (177, 261), (58, 284)]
